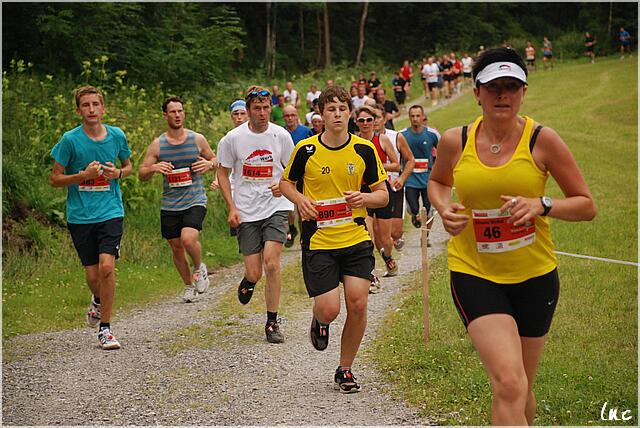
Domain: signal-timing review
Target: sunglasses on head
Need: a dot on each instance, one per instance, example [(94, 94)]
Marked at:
[(262, 93), (365, 119)]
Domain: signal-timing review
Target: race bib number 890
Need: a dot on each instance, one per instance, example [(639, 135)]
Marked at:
[(332, 212)]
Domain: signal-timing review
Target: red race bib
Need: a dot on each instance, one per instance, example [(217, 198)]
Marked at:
[(495, 235), (179, 177), (332, 212), (98, 184), (422, 165), (262, 171)]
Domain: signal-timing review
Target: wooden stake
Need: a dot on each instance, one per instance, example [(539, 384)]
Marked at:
[(424, 231)]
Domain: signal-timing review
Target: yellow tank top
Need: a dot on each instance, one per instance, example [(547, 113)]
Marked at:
[(488, 247)]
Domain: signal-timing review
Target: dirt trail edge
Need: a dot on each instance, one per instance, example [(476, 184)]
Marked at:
[(236, 378)]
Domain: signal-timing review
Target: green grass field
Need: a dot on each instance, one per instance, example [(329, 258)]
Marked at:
[(591, 355)]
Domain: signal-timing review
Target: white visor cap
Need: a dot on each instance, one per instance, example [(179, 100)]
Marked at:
[(497, 70)]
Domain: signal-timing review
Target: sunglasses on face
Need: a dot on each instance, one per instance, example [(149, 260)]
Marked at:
[(495, 87), (263, 93), (365, 119)]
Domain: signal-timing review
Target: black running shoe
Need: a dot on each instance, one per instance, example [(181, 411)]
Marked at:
[(345, 381), (272, 330), (416, 221), (291, 236), (245, 292), (319, 335)]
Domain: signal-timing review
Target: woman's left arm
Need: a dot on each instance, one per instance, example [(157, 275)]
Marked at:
[(552, 154)]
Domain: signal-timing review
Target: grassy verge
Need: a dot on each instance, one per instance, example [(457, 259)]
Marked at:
[(52, 294), (591, 355)]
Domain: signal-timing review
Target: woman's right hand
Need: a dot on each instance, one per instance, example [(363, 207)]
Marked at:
[(454, 223)]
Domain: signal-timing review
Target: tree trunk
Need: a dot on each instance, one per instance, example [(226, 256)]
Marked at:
[(610, 16), (319, 43), (363, 19), (270, 50), (301, 26), (274, 25), (327, 36), (267, 47)]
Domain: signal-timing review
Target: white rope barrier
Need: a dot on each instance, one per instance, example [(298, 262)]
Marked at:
[(601, 259)]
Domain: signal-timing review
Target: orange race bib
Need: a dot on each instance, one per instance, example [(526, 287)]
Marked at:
[(495, 235), (180, 177), (257, 171), (422, 165), (98, 184), (332, 212)]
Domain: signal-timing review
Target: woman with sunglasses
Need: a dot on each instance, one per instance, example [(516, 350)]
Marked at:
[(504, 279), (379, 219)]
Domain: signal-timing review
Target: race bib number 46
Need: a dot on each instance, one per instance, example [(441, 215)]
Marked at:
[(98, 184), (262, 171), (495, 235), (332, 212), (180, 177)]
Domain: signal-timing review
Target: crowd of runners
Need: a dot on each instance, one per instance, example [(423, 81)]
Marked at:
[(339, 178)]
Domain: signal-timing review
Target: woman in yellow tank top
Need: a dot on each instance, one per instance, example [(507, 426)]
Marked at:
[(504, 279)]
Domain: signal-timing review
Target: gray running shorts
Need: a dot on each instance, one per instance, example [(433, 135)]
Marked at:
[(252, 235)]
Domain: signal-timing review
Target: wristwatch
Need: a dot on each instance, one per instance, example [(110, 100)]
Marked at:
[(547, 203)]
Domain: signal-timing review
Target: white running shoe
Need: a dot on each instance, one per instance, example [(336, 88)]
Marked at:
[(375, 286), (93, 314), (189, 294), (398, 244), (201, 278), (107, 340)]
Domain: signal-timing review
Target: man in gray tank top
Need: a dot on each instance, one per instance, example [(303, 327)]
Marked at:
[(181, 156)]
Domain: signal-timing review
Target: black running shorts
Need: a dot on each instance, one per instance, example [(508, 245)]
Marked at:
[(385, 212), (323, 270), (93, 239), (531, 303), (172, 222), (397, 197)]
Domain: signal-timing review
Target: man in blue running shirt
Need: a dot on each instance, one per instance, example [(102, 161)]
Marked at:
[(85, 162), (422, 141)]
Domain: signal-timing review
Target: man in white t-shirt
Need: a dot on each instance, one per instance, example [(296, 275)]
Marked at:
[(432, 70), (255, 153), (292, 94), (359, 100), (313, 94), (467, 66)]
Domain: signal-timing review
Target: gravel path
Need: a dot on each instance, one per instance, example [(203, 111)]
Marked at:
[(233, 377)]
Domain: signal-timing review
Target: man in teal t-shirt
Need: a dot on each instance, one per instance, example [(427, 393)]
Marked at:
[(422, 140), (85, 163)]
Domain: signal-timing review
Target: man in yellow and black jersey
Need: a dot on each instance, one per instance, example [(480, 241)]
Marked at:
[(323, 178)]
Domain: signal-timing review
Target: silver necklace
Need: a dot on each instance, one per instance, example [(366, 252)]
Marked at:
[(495, 148)]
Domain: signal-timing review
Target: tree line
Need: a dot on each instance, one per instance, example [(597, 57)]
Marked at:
[(185, 44)]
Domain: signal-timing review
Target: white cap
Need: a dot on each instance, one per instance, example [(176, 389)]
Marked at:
[(316, 116), (497, 70), (238, 105)]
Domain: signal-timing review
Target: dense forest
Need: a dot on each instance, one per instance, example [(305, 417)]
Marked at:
[(209, 43)]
